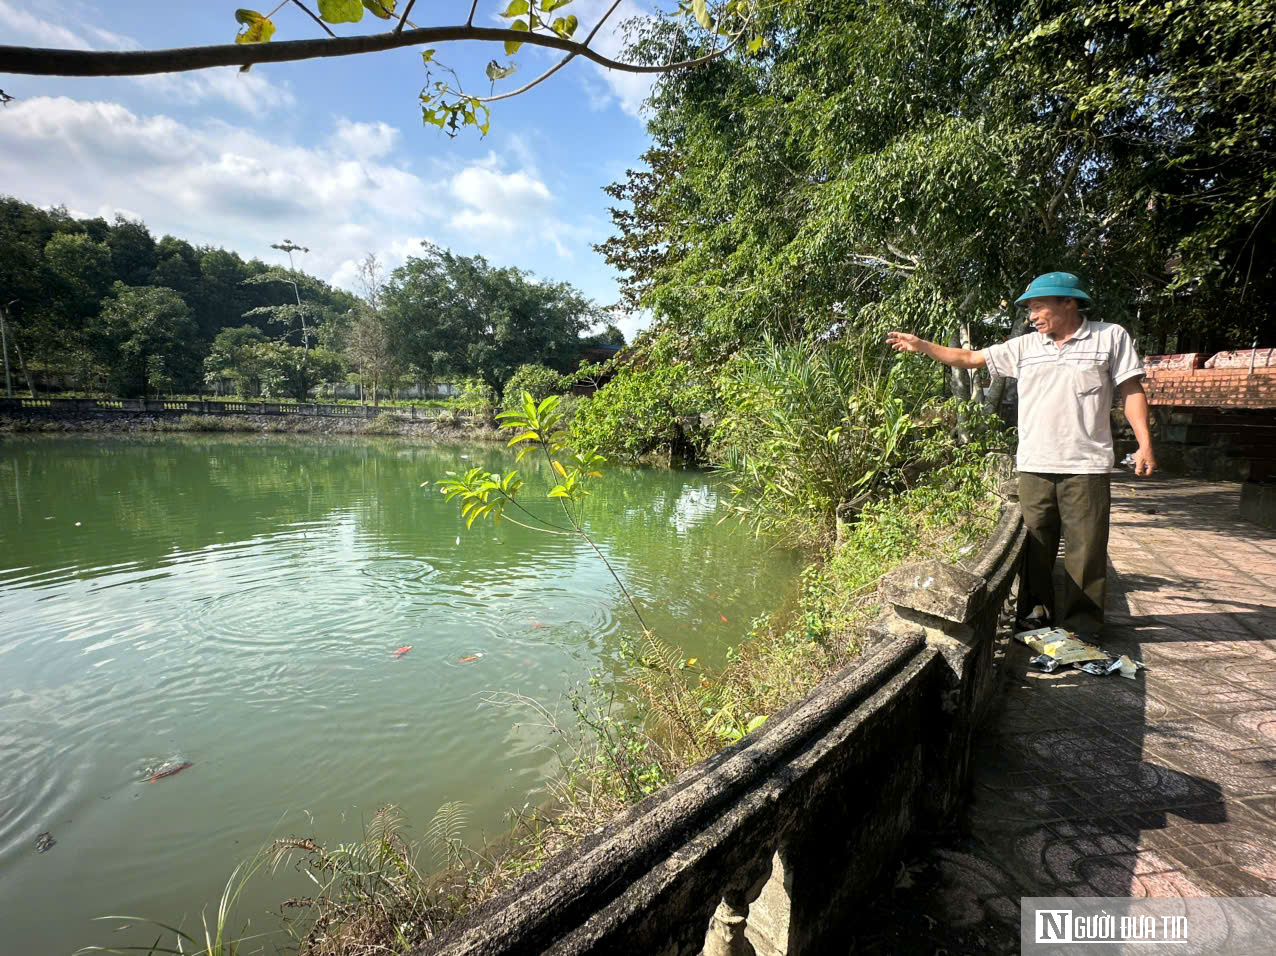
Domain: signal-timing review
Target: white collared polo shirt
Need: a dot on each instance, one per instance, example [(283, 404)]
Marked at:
[(1065, 395)]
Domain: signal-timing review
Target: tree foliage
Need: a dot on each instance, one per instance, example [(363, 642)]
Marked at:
[(232, 357), (459, 314), (810, 426), (538, 381), (648, 408), (293, 371), (914, 163), (57, 274), (148, 331)]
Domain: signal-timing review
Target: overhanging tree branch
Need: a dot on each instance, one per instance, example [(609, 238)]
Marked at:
[(571, 56), (34, 61), (553, 69)]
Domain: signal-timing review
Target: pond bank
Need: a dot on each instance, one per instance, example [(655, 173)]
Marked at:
[(133, 423)]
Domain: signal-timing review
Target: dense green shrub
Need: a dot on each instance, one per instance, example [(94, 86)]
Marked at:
[(807, 428), (539, 381), (384, 424), (478, 399), (654, 408)]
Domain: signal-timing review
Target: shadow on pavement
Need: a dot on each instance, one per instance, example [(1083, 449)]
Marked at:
[(1164, 785)]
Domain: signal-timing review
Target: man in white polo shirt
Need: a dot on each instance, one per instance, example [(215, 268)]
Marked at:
[(1067, 374)]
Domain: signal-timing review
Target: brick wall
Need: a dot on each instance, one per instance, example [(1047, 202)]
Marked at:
[(1212, 387)]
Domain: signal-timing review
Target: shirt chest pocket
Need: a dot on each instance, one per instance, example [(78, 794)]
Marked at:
[(1091, 376)]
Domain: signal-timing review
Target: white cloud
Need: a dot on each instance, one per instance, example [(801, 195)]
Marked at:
[(629, 90), (496, 206), (218, 183), (391, 255), (364, 140), (225, 185), (493, 201), (24, 26), (251, 92)]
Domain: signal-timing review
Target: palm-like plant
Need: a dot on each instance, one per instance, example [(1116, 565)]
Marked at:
[(809, 427)]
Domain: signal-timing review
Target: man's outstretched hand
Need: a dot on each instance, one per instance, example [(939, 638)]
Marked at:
[(903, 342)]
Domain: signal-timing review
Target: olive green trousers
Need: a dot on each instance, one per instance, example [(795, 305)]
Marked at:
[(1076, 506)]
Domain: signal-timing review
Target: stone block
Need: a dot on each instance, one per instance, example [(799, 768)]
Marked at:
[(935, 588)]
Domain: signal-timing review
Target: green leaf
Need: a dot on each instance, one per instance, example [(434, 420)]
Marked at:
[(516, 8), (511, 46), (341, 11), (551, 5), (260, 30), (427, 55), (380, 8), (565, 27), (472, 116), (701, 9), (497, 72)]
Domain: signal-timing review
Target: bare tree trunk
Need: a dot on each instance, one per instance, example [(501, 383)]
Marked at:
[(22, 363), (995, 392)]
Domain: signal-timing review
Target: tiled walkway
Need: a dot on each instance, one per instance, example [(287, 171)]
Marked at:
[(1102, 786)]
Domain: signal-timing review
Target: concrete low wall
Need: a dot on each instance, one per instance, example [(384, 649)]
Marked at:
[(80, 406), (770, 846)]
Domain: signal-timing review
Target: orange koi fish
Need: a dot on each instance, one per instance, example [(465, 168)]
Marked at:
[(724, 618), (168, 771), (402, 650), (469, 660)]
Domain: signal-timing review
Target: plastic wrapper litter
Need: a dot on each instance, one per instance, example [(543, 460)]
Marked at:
[(1058, 648)]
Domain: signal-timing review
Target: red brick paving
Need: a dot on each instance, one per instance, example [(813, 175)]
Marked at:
[(1102, 786)]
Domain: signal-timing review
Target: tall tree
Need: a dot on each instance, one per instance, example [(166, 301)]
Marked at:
[(457, 313), (148, 334), (233, 357), (133, 254)]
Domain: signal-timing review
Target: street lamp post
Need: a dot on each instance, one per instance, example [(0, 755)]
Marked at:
[(290, 247)]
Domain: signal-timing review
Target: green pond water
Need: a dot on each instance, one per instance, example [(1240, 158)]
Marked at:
[(236, 603)]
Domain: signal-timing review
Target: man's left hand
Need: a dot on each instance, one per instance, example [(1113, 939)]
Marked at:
[(1144, 462)]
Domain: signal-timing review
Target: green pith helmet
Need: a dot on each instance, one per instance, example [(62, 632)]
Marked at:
[(1054, 283)]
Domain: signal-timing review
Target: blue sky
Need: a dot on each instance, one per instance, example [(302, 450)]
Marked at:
[(329, 153)]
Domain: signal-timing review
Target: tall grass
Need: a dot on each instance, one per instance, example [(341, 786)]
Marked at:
[(808, 427)]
